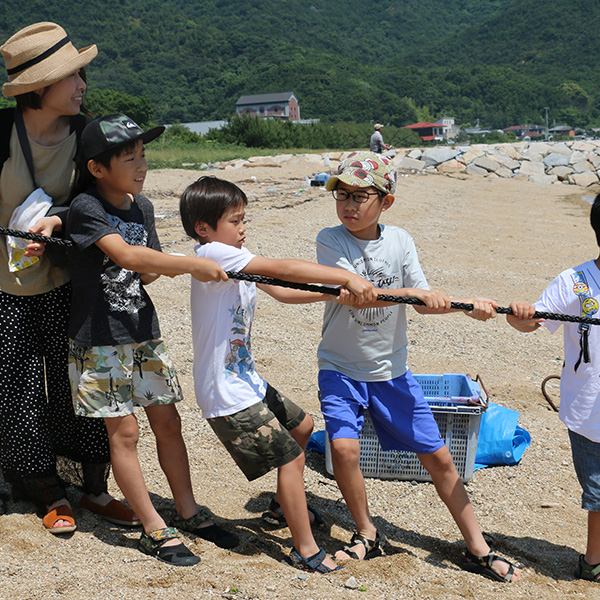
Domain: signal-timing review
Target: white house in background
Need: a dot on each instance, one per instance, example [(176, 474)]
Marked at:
[(450, 129), (284, 106)]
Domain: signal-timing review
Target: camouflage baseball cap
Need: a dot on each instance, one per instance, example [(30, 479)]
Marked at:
[(365, 169), (111, 131)]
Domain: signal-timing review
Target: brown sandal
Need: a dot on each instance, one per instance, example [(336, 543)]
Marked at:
[(115, 511), (60, 513)]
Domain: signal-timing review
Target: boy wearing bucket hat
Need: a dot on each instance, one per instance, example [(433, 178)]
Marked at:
[(38, 141), (116, 357), (363, 359)]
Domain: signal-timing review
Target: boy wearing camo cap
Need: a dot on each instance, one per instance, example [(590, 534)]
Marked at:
[(363, 359), (116, 357)]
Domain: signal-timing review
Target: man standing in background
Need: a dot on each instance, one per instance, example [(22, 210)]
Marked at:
[(377, 144)]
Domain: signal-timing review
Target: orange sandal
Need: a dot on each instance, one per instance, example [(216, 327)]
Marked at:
[(60, 513)]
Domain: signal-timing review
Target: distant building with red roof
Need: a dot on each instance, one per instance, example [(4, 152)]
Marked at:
[(427, 131), (523, 130)]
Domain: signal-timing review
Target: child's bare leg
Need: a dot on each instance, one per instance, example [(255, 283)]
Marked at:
[(290, 491), (173, 457), (592, 553), (350, 480), (451, 490), (301, 433), (123, 435)]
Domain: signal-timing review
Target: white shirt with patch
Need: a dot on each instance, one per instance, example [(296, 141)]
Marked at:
[(576, 292)]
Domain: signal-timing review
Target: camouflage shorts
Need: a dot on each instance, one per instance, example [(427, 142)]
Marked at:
[(108, 381), (258, 437)]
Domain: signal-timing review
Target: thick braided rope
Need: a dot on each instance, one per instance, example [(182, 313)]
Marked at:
[(321, 289), (36, 237), (400, 299)]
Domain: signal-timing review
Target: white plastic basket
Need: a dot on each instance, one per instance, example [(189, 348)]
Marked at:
[(457, 402)]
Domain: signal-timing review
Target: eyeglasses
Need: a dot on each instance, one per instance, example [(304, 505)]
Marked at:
[(360, 197)]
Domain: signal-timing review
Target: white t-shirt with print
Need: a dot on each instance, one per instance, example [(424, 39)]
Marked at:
[(573, 290), (368, 344), (225, 377)]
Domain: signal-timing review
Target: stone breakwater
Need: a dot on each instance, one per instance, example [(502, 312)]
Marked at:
[(575, 163)]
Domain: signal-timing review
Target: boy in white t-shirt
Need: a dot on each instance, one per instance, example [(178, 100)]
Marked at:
[(576, 291), (260, 428)]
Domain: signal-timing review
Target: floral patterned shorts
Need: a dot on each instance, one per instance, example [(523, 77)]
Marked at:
[(108, 381)]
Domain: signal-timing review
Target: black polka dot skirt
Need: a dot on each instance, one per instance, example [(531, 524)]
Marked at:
[(37, 421)]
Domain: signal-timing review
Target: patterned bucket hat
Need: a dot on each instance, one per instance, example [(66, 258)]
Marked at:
[(364, 169)]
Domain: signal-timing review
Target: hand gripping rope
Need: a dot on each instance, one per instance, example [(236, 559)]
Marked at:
[(322, 289)]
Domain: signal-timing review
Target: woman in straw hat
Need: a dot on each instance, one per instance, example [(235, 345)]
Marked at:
[(38, 142)]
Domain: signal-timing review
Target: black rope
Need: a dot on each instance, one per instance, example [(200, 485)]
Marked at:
[(36, 237), (322, 289), (400, 299)]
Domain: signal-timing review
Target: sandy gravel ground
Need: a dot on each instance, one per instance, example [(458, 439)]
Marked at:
[(501, 238)]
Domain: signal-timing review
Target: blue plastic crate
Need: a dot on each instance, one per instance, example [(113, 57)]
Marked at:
[(457, 402)]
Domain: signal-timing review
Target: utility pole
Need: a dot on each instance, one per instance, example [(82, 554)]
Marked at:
[(547, 131)]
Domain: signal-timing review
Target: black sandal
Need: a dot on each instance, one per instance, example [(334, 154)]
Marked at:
[(152, 544), (275, 517), (482, 565), (586, 571), (313, 563), (213, 533), (372, 547)]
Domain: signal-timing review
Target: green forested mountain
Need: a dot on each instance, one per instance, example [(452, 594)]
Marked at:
[(501, 61)]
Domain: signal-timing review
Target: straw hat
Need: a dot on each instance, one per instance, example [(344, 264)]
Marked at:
[(377, 126), (40, 55)]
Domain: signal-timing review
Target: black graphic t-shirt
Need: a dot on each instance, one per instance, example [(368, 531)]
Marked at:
[(109, 305)]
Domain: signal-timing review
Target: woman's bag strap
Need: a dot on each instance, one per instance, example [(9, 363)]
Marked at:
[(25, 147)]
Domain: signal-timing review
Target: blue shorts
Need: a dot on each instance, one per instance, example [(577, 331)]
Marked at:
[(586, 459), (401, 416)]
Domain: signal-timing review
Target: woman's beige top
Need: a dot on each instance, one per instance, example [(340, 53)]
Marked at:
[(55, 174)]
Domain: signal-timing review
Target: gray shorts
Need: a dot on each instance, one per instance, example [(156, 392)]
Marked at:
[(586, 459), (258, 437)]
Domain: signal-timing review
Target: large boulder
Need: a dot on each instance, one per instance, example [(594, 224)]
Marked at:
[(539, 148), (436, 156), (491, 166), (583, 146), (475, 170), (594, 160), (502, 171), (561, 172), (583, 166), (542, 178), (583, 179), (504, 159), (528, 168), (472, 153), (451, 166), (556, 159), (577, 156), (511, 150), (404, 163), (561, 148)]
